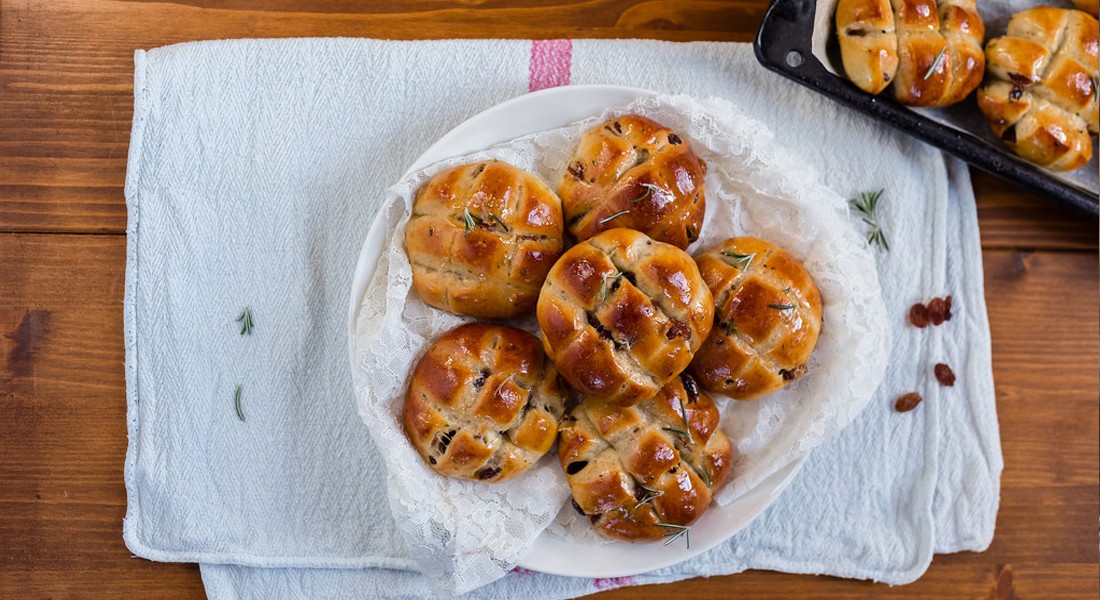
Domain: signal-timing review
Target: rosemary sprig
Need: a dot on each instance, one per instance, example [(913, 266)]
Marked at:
[(740, 261), (866, 204), (649, 187), (613, 217), (935, 63), (677, 532), (629, 342), (608, 281), (674, 430), (237, 402), (705, 476), (246, 321), (687, 426), (472, 220), (650, 495), (781, 306), (494, 217), (511, 378)]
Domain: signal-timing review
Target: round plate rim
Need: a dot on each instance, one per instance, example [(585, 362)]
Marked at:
[(528, 113)]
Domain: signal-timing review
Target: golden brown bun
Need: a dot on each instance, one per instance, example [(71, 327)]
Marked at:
[(767, 319), (1040, 93), (932, 54), (632, 468), (481, 239), (483, 403), (634, 172), (622, 314)]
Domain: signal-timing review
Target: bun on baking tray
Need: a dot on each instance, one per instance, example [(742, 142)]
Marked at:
[(481, 239), (483, 403), (634, 172), (767, 319), (622, 314), (1040, 95), (931, 53), (640, 473)]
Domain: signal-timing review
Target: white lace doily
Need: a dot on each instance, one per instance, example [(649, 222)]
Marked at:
[(466, 534)]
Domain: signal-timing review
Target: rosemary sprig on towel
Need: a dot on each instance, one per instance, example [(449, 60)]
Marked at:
[(237, 402), (246, 321), (866, 204)]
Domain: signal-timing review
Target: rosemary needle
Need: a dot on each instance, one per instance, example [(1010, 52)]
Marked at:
[(471, 219), (936, 63), (237, 402), (740, 261), (649, 187), (613, 217), (781, 306), (246, 321), (677, 531)]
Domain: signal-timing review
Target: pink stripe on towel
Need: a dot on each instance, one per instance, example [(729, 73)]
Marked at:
[(551, 61)]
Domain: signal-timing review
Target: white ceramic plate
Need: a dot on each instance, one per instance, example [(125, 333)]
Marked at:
[(548, 109)]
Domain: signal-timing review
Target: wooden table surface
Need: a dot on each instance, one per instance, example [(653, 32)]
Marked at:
[(65, 107)]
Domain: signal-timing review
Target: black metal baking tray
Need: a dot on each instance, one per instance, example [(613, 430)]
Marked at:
[(783, 45)]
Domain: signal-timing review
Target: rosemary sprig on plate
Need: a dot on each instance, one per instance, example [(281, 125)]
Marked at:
[(606, 220), (494, 217), (740, 261), (676, 532), (650, 495), (705, 476), (237, 402), (935, 63), (649, 187), (471, 219), (687, 425), (866, 204), (608, 281), (246, 321)]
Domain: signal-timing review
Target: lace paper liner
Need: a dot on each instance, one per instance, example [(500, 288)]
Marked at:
[(464, 534)]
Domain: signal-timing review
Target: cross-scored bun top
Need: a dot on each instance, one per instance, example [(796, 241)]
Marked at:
[(1040, 95), (481, 238), (632, 469), (767, 319), (483, 403), (634, 172), (931, 52), (622, 314)]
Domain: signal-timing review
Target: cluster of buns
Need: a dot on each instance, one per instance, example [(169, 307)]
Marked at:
[(633, 328), (1040, 79)]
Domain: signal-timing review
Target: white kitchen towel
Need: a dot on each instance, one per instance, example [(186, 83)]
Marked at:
[(255, 168)]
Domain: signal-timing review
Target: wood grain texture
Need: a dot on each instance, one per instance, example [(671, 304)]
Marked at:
[(65, 110)]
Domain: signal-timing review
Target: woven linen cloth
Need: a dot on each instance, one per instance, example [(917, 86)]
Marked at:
[(255, 169)]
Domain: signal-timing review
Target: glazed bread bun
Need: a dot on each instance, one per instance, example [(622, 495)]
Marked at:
[(632, 469), (622, 314), (1040, 92), (931, 53), (484, 403), (767, 318), (634, 172), (481, 238)]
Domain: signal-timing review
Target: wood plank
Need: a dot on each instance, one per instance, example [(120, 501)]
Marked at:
[(1012, 218)]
